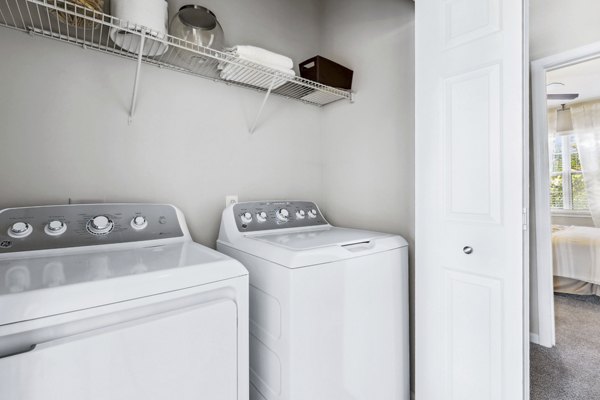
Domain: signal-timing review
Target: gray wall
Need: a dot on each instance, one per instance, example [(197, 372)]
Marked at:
[(63, 115), (368, 175), (557, 26)]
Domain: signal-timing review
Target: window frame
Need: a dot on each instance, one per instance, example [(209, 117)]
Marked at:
[(567, 186)]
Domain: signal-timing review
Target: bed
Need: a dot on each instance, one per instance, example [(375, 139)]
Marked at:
[(576, 259)]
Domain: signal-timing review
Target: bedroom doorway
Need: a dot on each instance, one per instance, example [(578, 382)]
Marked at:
[(565, 268)]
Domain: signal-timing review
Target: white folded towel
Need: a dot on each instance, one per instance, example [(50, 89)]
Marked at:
[(235, 73), (262, 56)]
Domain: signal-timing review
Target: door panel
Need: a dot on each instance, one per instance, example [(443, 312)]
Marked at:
[(468, 20), (469, 197), (473, 352), (472, 145)]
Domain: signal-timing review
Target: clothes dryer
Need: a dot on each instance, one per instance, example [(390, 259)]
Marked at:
[(115, 301)]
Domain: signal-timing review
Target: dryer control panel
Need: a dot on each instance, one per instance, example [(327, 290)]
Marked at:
[(266, 215), (77, 225)]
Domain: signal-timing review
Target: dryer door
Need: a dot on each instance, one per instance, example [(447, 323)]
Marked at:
[(185, 354)]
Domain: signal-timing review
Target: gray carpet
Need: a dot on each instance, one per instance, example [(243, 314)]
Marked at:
[(570, 370)]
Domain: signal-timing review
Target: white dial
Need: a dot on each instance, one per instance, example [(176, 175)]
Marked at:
[(139, 223), (300, 214), (312, 213), (261, 216), (283, 215), (20, 230), (55, 228), (246, 218), (100, 225)]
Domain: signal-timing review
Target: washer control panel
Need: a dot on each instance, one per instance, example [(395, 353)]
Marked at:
[(266, 215), (76, 225)]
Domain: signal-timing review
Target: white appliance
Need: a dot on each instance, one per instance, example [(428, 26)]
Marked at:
[(115, 301), (328, 305)]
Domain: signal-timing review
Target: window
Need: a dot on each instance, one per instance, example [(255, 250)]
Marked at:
[(567, 190)]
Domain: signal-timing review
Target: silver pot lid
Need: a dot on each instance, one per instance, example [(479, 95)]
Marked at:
[(197, 17)]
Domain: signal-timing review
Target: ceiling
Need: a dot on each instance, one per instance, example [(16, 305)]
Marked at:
[(582, 78)]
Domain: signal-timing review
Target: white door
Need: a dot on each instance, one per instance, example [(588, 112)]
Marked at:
[(469, 199)]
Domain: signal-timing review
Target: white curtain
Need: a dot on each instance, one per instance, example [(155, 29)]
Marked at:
[(586, 127), (551, 134)]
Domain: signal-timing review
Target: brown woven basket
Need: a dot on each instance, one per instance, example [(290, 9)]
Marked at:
[(95, 5)]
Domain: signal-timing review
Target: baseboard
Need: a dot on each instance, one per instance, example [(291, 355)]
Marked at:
[(534, 338)]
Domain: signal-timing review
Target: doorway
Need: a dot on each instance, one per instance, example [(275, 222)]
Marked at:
[(565, 302)]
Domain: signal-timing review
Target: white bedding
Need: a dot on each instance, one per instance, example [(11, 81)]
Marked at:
[(576, 253)]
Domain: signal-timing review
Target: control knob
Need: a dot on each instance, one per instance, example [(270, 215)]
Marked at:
[(20, 230), (300, 214), (55, 228), (261, 216), (283, 215), (100, 225), (246, 218), (312, 213), (138, 223)]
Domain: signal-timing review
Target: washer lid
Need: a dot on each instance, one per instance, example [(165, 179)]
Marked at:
[(302, 248), (43, 286), (313, 239)]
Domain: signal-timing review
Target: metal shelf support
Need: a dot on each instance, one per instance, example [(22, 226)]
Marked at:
[(136, 80), (262, 106)]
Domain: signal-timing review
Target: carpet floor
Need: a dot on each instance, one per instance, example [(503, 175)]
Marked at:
[(570, 370)]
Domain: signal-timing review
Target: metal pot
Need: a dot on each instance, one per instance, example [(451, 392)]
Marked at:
[(198, 25)]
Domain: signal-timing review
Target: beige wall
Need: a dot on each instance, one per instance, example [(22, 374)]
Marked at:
[(572, 220), (64, 131), (368, 175)]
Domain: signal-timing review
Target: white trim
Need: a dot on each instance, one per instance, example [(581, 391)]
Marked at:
[(543, 225), (534, 338), (526, 85), (570, 213)]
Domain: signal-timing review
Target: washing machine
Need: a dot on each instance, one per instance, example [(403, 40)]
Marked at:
[(328, 305), (115, 301)]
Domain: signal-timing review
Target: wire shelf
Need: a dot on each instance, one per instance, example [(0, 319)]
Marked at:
[(92, 29)]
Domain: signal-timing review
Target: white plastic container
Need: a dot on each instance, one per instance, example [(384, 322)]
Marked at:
[(136, 15)]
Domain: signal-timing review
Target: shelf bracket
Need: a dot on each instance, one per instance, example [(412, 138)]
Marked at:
[(137, 78), (352, 97), (262, 106)]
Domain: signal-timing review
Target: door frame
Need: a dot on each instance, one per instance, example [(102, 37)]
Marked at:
[(543, 224)]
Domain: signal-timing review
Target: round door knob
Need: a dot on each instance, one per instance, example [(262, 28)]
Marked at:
[(468, 249), (20, 230), (139, 223), (55, 228), (300, 214), (283, 215), (246, 218), (312, 213), (261, 216), (100, 225)]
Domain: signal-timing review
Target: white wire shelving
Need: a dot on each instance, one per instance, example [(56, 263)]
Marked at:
[(92, 30)]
